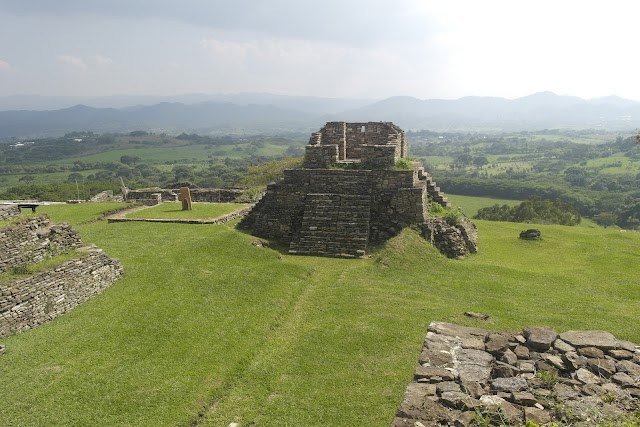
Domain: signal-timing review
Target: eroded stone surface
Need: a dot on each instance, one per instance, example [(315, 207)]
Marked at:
[(581, 378), (600, 339), (540, 338)]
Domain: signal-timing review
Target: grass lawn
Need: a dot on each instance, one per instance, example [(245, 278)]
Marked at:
[(207, 329), (471, 204), (173, 210)]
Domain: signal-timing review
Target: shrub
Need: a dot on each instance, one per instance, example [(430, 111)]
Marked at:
[(404, 164)]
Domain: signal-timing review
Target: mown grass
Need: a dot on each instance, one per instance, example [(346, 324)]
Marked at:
[(471, 204), (173, 210), (206, 329)]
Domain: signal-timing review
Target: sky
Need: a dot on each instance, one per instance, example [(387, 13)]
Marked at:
[(332, 48)]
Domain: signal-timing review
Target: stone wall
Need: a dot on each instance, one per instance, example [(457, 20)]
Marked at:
[(505, 378), (372, 145), (214, 195), (149, 194), (29, 302), (209, 195), (8, 212), (106, 196), (34, 239)]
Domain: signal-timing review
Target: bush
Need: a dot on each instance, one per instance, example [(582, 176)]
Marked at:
[(453, 216), (533, 210), (403, 164)]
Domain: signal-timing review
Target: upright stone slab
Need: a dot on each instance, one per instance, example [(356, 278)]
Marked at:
[(185, 198)]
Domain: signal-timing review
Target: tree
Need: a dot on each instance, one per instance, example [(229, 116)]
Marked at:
[(129, 160), (606, 219), (75, 176), (480, 161)]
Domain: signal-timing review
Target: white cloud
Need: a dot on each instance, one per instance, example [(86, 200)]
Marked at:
[(73, 61), (100, 60), (5, 66)]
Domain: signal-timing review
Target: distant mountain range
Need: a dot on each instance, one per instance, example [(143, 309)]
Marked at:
[(251, 113)]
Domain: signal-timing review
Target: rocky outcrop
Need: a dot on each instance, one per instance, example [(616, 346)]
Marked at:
[(453, 240), (469, 374), (34, 239)]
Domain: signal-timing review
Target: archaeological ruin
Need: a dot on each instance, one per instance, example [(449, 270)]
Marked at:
[(29, 300), (356, 188)]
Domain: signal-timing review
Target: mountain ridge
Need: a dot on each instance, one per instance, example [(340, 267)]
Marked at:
[(266, 113)]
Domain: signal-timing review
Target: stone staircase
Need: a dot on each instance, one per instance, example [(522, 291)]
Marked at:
[(333, 225), (435, 195)]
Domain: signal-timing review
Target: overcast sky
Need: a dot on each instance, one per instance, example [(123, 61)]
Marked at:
[(335, 48)]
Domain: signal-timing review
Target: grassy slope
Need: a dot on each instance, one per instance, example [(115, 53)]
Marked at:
[(204, 322)]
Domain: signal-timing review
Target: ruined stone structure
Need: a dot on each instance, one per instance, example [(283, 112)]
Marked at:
[(33, 239), (511, 378), (33, 300), (324, 210), (374, 145), (30, 302)]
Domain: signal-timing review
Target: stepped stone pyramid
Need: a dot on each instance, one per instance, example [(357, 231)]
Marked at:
[(348, 194)]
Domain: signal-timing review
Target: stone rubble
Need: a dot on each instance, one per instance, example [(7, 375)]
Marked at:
[(466, 374), (8, 212)]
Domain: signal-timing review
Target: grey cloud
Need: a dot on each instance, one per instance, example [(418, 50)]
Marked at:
[(357, 22)]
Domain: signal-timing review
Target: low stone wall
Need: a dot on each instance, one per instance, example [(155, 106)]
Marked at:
[(219, 220), (214, 195), (34, 239), (32, 301), (106, 196), (206, 195), (9, 212), (466, 375)]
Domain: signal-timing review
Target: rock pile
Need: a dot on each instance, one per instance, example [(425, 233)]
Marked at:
[(530, 234), (472, 376)]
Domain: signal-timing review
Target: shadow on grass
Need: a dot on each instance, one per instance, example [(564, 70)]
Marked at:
[(280, 247)]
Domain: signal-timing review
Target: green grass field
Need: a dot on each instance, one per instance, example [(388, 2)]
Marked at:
[(207, 329), (470, 204), (180, 153), (174, 210)]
